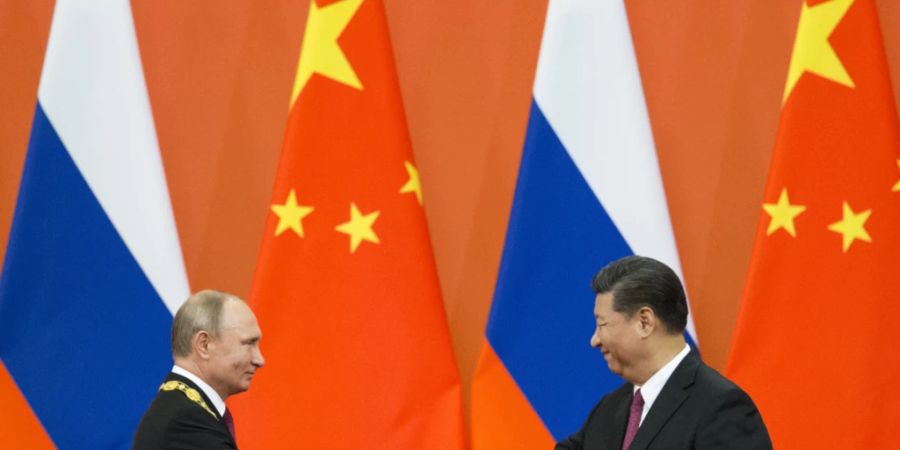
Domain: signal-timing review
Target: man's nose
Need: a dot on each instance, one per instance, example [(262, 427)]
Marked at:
[(258, 359), (595, 340)]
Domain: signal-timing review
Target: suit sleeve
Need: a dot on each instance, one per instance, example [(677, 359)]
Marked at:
[(734, 425), (576, 440), (573, 442), (194, 428)]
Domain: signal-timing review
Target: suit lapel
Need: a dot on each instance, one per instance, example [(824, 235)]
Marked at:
[(620, 420), (175, 377), (670, 399)]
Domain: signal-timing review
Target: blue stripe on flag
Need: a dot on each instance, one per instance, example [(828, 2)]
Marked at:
[(82, 331), (542, 315)]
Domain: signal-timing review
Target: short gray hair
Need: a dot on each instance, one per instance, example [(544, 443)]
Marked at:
[(200, 312)]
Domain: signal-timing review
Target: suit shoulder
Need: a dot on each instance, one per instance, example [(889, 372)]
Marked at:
[(608, 402), (728, 417), (174, 419), (621, 393), (718, 392), (176, 401), (714, 382)]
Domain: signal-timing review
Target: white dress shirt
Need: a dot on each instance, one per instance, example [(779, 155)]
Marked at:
[(653, 386), (211, 393)]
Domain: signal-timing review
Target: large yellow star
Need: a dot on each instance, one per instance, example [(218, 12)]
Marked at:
[(782, 214), (359, 227), (290, 215), (320, 52), (852, 226), (812, 51), (412, 185), (896, 187)]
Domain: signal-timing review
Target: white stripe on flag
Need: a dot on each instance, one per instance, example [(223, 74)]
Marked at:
[(591, 94), (93, 92)]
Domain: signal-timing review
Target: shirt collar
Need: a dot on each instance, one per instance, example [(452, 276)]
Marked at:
[(654, 385), (211, 393)]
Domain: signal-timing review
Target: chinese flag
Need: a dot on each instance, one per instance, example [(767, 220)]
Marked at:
[(815, 339), (355, 337)]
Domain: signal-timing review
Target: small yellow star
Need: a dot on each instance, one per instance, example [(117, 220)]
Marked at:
[(782, 214), (896, 187), (359, 227), (290, 215), (320, 52), (812, 51), (852, 226), (412, 185)]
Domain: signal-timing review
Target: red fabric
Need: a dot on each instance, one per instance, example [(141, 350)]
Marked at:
[(357, 347), (816, 333)]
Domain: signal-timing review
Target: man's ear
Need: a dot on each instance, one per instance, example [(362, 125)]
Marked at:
[(200, 344), (647, 321)]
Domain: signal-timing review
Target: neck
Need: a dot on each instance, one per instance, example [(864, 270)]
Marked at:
[(191, 366), (661, 353), (196, 368)]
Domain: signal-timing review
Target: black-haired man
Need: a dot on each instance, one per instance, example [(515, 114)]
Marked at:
[(671, 399)]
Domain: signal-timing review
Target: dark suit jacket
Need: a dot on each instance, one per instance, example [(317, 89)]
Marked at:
[(697, 408), (174, 421)]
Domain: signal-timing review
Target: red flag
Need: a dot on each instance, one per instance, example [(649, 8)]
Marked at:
[(358, 352), (814, 340)]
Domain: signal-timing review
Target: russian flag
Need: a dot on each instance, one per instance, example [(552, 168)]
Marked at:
[(93, 269), (589, 191)]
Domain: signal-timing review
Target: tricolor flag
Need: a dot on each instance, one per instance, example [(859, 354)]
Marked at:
[(589, 191), (93, 268), (815, 338), (358, 351)]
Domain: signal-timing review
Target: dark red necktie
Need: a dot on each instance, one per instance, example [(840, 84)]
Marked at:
[(634, 419), (229, 422)]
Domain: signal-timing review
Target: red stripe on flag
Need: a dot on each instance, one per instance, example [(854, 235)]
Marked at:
[(19, 428), (502, 418)]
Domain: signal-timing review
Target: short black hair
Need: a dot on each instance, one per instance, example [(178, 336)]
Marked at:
[(639, 281)]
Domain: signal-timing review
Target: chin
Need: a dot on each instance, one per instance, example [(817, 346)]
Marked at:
[(614, 368)]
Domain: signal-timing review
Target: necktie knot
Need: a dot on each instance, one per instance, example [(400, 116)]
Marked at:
[(634, 419), (637, 403)]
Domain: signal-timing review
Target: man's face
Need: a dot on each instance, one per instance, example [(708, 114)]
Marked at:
[(235, 354), (616, 336)]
